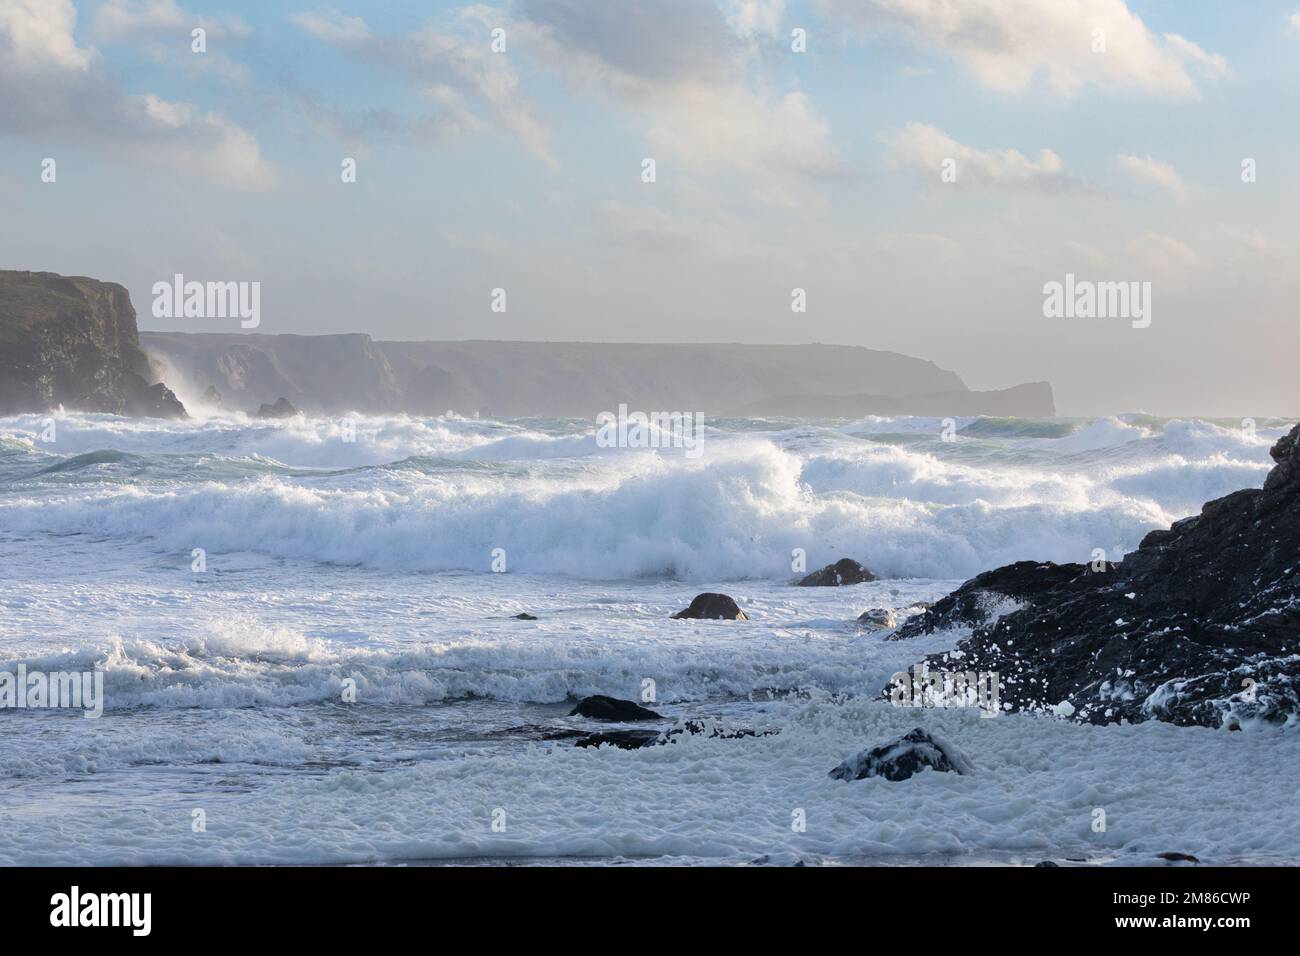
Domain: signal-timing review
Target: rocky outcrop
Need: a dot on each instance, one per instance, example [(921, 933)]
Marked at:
[(987, 596), (71, 341), (713, 607), (282, 408), (600, 707), (844, 571), (904, 757), (1200, 625)]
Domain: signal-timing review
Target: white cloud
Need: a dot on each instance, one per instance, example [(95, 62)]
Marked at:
[(1293, 24), (1014, 45), (1152, 170), (755, 18), (162, 30), (59, 91), (924, 150), (125, 19), (451, 65), (684, 70), (332, 26), (36, 38), (1163, 255)]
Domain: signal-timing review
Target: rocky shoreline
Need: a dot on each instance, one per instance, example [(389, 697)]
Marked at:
[(1199, 626)]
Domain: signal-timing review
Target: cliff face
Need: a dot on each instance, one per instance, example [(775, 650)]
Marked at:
[(72, 341), (332, 374)]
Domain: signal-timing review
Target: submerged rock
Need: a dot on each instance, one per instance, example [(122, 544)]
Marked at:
[(635, 739), (710, 606), (525, 616), (1175, 857), (904, 757), (537, 732), (600, 707), (843, 571), (1199, 626), (877, 618), (623, 739), (282, 408)]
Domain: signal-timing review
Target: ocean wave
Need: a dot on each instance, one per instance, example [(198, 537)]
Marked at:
[(434, 497)]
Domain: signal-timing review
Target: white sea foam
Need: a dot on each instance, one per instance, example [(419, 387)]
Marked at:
[(451, 490)]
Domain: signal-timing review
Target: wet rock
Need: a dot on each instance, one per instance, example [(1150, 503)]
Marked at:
[(904, 757), (1199, 626), (600, 707), (1046, 863), (843, 571), (877, 618), (282, 408), (987, 596), (1175, 857), (635, 739), (623, 739), (710, 606), (525, 616)]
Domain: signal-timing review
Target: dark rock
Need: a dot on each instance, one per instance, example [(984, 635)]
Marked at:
[(153, 401), (525, 616), (599, 707), (1046, 863), (991, 594), (282, 408), (73, 341), (709, 606), (635, 739), (904, 757), (212, 398), (843, 571), (1175, 857), (1199, 626), (711, 729), (623, 739)]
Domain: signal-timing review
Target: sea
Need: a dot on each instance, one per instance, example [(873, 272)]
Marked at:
[(305, 637)]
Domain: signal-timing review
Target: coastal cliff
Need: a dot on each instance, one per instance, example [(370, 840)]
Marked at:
[(333, 374), (72, 341)]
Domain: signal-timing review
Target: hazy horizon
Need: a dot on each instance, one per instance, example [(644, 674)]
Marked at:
[(921, 171)]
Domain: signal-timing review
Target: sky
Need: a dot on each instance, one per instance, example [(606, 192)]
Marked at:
[(921, 169)]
